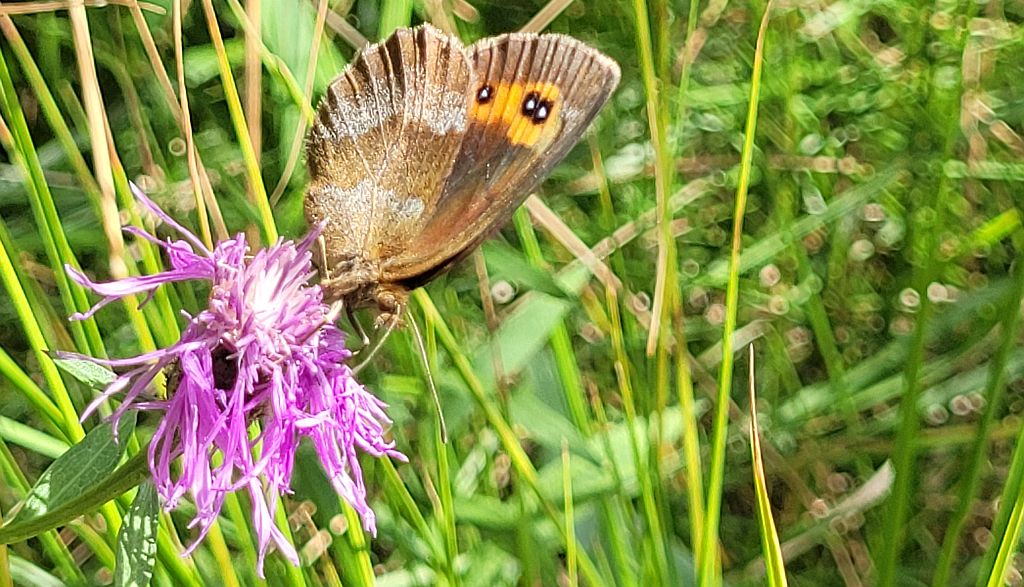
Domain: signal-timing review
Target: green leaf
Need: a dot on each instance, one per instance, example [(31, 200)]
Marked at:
[(521, 336), (774, 561), (202, 61), (90, 374), (31, 438), (506, 263), (768, 248), (288, 36), (136, 542), (549, 428), (487, 564), (124, 478), (488, 512), (83, 466), (24, 572)]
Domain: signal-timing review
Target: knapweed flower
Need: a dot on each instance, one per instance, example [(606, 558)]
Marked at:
[(264, 352)]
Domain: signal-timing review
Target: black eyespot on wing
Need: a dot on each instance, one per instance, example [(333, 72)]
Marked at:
[(530, 104), (535, 108), (542, 112), (485, 94)]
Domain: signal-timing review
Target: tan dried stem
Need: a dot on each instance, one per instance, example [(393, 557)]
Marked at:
[(300, 128), (557, 228), (253, 106), (346, 31), (200, 179), (484, 281), (439, 16), (154, 58), (93, 102), (544, 16), (465, 11), (39, 7), (186, 125)]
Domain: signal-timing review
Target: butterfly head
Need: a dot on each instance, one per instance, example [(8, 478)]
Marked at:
[(357, 283)]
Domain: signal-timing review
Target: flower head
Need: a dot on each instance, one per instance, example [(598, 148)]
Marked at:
[(265, 351)]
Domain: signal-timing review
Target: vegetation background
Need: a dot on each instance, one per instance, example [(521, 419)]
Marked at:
[(860, 245)]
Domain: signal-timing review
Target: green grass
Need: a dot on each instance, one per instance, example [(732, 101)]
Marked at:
[(843, 199)]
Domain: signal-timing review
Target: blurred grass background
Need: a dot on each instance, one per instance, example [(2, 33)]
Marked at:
[(580, 355)]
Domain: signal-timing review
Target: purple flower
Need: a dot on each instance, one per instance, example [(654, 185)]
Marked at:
[(265, 351)]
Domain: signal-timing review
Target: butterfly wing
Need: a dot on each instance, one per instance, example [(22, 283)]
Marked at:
[(372, 178), (533, 97)]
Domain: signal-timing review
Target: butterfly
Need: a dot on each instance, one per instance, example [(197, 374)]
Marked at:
[(423, 147)]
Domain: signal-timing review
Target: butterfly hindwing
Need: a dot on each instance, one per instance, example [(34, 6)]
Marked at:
[(373, 178), (531, 99)]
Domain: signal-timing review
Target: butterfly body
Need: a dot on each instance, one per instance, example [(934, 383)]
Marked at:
[(423, 147)]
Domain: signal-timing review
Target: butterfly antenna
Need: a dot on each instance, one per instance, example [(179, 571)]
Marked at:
[(430, 376), (372, 350)]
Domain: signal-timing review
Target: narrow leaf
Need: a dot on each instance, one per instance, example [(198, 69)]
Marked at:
[(88, 373), (124, 478), (507, 263), (775, 566), (136, 541), (83, 466)]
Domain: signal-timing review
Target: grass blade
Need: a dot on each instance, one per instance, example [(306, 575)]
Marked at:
[(708, 562), (775, 566)]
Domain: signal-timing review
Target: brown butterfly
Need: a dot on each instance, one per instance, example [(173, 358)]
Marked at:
[(423, 147)]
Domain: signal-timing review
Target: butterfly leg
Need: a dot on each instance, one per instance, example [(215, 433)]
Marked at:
[(325, 270), (354, 321), (391, 301), (372, 351)]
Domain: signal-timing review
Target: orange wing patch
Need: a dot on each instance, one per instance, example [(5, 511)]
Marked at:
[(528, 112)]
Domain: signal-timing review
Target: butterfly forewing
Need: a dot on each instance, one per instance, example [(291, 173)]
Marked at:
[(374, 179), (532, 97)]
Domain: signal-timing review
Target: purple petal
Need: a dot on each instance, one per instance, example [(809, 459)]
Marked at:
[(156, 211), (263, 351)]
